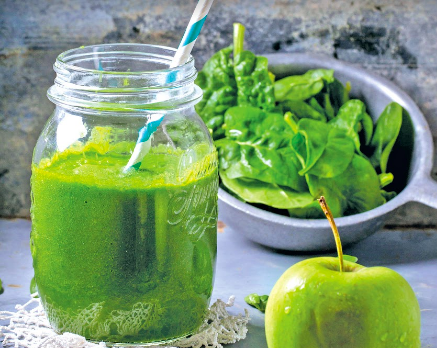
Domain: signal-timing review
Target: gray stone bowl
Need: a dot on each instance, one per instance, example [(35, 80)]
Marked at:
[(413, 157)]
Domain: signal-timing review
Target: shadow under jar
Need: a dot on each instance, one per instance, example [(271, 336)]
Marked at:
[(124, 256)]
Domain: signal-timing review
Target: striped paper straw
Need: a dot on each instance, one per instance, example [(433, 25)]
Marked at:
[(144, 142), (183, 52), (192, 32)]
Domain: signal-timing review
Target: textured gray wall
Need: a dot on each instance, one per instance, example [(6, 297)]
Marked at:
[(394, 38)]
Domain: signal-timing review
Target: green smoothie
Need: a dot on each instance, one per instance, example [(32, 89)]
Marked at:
[(124, 257)]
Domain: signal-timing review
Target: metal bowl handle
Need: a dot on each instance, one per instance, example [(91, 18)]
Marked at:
[(424, 190)]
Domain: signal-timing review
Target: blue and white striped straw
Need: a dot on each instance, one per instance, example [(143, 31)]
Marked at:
[(144, 142), (183, 52), (192, 32)]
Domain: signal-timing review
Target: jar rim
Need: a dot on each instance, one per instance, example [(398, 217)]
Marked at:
[(123, 77), (62, 63)]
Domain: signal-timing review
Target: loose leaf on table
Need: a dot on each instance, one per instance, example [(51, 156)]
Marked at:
[(302, 87), (302, 110), (348, 118), (255, 191), (33, 287), (257, 301), (217, 81), (257, 146), (323, 151), (1, 289), (386, 132), (255, 87)]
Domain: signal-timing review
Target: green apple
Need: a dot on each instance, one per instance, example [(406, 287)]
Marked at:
[(326, 302)]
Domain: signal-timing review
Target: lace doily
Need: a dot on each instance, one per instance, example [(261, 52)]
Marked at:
[(29, 328)]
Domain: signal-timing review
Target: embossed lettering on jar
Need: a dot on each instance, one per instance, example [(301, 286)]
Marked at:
[(124, 256)]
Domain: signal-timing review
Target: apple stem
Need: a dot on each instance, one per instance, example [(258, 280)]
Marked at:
[(330, 218)]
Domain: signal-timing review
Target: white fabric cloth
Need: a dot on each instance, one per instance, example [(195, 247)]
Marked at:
[(29, 328)]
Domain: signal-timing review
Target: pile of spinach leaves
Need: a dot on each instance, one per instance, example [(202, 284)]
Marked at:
[(283, 144)]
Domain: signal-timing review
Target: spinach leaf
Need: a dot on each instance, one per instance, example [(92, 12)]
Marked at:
[(338, 94), (226, 83), (287, 161), (329, 109), (385, 179), (292, 121), (257, 146), (217, 80), (302, 87), (33, 286), (386, 132), (348, 118), (238, 37), (321, 187), (255, 191), (367, 124), (310, 142), (302, 110), (255, 88), (388, 195), (326, 75), (250, 124), (316, 106), (257, 301), (322, 150), (354, 191), (310, 211), (336, 157), (360, 185)]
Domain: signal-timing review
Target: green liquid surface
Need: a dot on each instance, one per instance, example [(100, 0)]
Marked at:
[(124, 257)]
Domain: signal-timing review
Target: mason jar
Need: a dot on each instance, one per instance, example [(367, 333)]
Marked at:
[(124, 228)]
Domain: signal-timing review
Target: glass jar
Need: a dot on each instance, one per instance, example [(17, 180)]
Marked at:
[(124, 255)]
